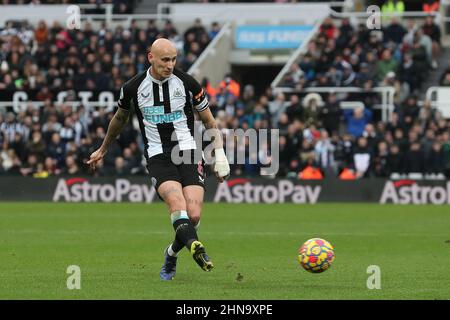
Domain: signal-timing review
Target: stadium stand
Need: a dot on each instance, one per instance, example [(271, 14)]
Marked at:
[(44, 60), (315, 132), (119, 6), (51, 58)]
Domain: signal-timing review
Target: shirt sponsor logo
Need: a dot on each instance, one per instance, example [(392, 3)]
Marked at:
[(156, 115)]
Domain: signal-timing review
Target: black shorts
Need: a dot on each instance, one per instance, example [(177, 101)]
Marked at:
[(162, 169)]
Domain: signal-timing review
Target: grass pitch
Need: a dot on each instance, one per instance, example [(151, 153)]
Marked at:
[(119, 249)]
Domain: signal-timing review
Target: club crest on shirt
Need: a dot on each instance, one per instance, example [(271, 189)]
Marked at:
[(178, 93)]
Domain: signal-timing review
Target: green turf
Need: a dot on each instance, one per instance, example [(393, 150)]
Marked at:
[(119, 248)]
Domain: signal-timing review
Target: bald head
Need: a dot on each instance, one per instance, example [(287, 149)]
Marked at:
[(162, 56), (163, 45)]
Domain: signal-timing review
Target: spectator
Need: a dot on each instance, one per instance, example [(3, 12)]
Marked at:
[(408, 112), (311, 104), (328, 28), (430, 6), (402, 89), (415, 159), (51, 126), (30, 167), (380, 162), (408, 73), (56, 150), (214, 31), (120, 168), (294, 109), (37, 145), (324, 151), (276, 108), (434, 32), (386, 64), (394, 32), (395, 161), (435, 162), (344, 151), (357, 120), (446, 152), (422, 48), (445, 80), (229, 85), (71, 167), (50, 166), (362, 158), (393, 6), (330, 114), (444, 73)]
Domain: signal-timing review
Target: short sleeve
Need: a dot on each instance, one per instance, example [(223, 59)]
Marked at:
[(124, 101), (199, 98)]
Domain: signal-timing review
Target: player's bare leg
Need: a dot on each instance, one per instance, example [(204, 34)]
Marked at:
[(194, 202), (185, 233), (193, 196)]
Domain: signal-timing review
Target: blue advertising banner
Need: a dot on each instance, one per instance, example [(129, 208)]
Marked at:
[(272, 37)]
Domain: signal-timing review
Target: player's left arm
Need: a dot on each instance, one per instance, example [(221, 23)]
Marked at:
[(210, 123), (200, 102)]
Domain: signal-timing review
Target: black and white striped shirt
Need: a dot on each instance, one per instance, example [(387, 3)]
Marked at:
[(164, 109)]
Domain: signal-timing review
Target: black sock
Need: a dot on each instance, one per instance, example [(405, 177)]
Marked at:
[(185, 234), (177, 245)]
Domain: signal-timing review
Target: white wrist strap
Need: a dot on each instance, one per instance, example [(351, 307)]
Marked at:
[(220, 153)]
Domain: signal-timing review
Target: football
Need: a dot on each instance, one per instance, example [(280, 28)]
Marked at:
[(316, 255)]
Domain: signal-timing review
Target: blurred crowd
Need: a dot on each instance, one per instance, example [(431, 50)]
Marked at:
[(317, 137), (48, 59), (53, 141), (355, 56), (45, 60), (119, 6)]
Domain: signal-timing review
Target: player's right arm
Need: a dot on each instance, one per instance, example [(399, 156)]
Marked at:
[(115, 127)]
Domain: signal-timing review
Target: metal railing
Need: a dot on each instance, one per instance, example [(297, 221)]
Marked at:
[(439, 98), (163, 8), (19, 106), (364, 14), (196, 69), (387, 96)]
